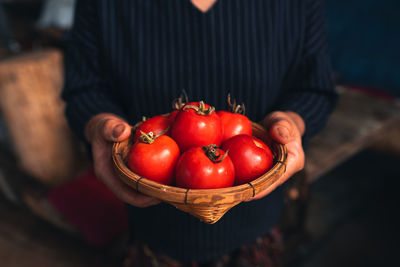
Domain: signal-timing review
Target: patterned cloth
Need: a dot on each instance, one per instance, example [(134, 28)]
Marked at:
[(264, 252)]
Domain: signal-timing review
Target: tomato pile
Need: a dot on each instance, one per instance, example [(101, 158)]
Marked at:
[(198, 148)]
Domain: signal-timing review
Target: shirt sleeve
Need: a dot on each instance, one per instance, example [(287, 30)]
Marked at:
[(311, 92), (86, 89)]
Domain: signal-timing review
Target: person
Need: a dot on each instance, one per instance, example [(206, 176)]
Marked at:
[(130, 58)]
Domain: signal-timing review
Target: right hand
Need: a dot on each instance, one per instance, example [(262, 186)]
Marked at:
[(101, 131)]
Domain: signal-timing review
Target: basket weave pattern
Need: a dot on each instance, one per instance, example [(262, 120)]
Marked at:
[(209, 205)]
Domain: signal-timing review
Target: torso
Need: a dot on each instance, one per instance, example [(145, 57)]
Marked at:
[(165, 47)]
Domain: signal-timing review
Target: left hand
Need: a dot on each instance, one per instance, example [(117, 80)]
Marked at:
[(101, 131), (286, 128)]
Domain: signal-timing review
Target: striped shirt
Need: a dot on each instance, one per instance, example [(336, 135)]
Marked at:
[(133, 57)]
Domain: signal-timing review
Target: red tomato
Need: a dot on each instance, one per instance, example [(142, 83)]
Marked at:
[(262, 145), (196, 125), (172, 116), (156, 125), (250, 160), (196, 170), (155, 161), (234, 124)]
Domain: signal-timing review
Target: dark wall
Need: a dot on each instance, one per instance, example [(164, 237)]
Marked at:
[(364, 37)]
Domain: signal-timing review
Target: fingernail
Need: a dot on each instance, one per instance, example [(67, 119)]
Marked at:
[(283, 132), (118, 130)]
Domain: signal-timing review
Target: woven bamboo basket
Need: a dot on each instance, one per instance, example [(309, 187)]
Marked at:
[(209, 205)]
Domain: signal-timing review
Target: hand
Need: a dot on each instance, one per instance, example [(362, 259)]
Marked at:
[(286, 128), (101, 131)]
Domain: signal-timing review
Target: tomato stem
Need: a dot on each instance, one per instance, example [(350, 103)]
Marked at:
[(201, 109), (149, 137), (235, 108), (178, 103), (213, 153)]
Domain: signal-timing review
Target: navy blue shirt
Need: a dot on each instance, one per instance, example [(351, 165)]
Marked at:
[(133, 57)]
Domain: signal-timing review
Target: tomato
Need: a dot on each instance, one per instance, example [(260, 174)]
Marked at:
[(204, 168), (234, 121), (250, 160), (261, 144), (154, 158), (234, 124), (156, 125), (196, 125), (172, 116)]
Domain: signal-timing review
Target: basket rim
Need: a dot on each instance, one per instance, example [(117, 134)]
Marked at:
[(175, 194)]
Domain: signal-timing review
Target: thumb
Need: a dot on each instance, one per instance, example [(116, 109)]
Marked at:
[(281, 127), (107, 127), (115, 129), (281, 133)]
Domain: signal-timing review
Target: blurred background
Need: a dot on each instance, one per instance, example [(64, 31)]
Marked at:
[(341, 210)]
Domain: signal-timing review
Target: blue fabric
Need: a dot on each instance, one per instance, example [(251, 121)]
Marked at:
[(364, 41)]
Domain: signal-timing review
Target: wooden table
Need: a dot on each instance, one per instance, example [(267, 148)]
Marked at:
[(358, 121)]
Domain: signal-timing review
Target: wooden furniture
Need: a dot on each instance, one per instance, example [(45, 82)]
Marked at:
[(30, 88), (359, 121)]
